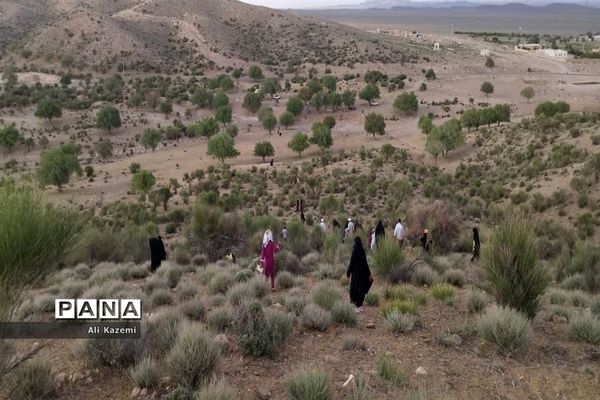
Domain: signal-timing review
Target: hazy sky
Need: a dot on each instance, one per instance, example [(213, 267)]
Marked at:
[(301, 3)]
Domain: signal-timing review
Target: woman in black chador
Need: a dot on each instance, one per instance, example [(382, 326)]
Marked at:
[(476, 245), (157, 252), (379, 232), (359, 274)]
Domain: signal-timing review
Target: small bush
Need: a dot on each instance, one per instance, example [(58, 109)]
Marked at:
[(401, 323), (579, 298), (508, 329), (295, 304), (402, 292), (401, 306), (372, 299), (572, 282), (199, 260), (220, 319), (424, 275), (187, 290), (477, 301), (286, 280), (261, 334), (442, 291), (161, 297), (244, 275), (326, 294), (240, 292), (556, 296), (139, 271), (585, 328), (344, 313), (173, 274), (259, 286), (154, 283), (309, 385), (314, 317), (391, 372), (220, 282), (354, 343), (360, 390), (595, 307), (33, 381), (558, 311), (387, 258), (145, 373), (115, 353), (217, 390), (455, 277), (194, 309), (161, 331), (511, 267), (193, 359), (329, 271)]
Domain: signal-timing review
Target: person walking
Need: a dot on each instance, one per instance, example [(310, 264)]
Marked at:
[(476, 245), (267, 257), (322, 225), (157, 252), (359, 274), (379, 231), (399, 232), (284, 234), (425, 240)]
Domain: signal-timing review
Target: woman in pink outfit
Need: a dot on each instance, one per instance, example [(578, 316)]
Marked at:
[(267, 256)]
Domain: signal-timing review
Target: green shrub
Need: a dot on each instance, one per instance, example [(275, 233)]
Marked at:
[(595, 307), (220, 282), (556, 296), (586, 261), (360, 390), (295, 304), (372, 299), (314, 317), (161, 331), (389, 371), (511, 268), (33, 381), (401, 323), (193, 359), (187, 290), (579, 298), (575, 281), (240, 292), (326, 294), (145, 373), (442, 291), (220, 319), (261, 333), (173, 274), (217, 390), (455, 277), (244, 275), (424, 275), (402, 292), (558, 310), (194, 309), (506, 328), (286, 280), (477, 301), (152, 283), (115, 353), (585, 328), (387, 258), (330, 271), (344, 313), (354, 343), (161, 297), (309, 385), (402, 306)]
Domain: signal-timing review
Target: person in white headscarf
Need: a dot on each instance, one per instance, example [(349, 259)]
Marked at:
[(322, 225), (267, 256)]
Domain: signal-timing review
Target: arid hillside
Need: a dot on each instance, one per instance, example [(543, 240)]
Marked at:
[(182, 36)]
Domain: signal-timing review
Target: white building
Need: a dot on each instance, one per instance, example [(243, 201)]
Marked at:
[(485, 52), (436, 46), (554, 53)]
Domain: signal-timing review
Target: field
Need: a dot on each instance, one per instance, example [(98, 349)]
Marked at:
[(209, 144)]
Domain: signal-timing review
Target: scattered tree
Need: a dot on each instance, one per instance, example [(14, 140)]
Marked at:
[(142, 182), (166, 107), (9, 136), (490, 62), (450, 134), (369, 93), (430, 75), (104, 148), (295, 105), (57, 165), (220, 99), (48, 108), (203, 98), (321, 135), (528, 92), (254, 72), (299, 143), (434, 147), (252, 102), (108, 118), (237, 74), (329, 82), (270, 86), (222, 146), (487, 88), (425, 124), (269, 122), (349, 98), (329, 121), (151, 138), (152, 99), (423, 87), (286, 119), (224, 114), (264, 149), (375, 124), (407, 103)]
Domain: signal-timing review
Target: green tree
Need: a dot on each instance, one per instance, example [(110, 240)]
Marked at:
[(252, 102), (430, 75), (425, 124), (104, 148), (349, 98), (375, 124), (166, 107), (152, 98), (237, 74), (136, 99), (434, 146), (295, 105), (151, 138), (161, 196), (407, 103), (471, 119), (528, 92), (269, 122), (423, 87), (317, 101), (299, 143), (321, 135), (203, 98), (286, 119), (57, 165), (220, 99), (9, 136), (330, 82), (108, 118), (223, 114), (329, 121), (270, 86), (450, 134), (264, 149), (48, 108), (142, 182), (10, 78), (222, 146), (254, 72), (333, 100), (487, 88), (592, 167), (489, 62), (206, 127), (369, 93)]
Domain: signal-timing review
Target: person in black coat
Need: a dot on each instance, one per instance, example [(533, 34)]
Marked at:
[(476, 245), (157, 252), (425, 241), (359, 274), (379, 232)]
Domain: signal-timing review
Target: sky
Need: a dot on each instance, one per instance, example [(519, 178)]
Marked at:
[(282, 4)]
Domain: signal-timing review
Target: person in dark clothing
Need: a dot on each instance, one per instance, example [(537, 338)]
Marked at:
[(359, 274), (157, 252), (476, 245), (425, 241), (379, 232), (271, 162), (297, 205), (302, 218)]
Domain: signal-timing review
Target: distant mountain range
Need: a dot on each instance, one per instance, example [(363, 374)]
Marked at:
[(403, 4)]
